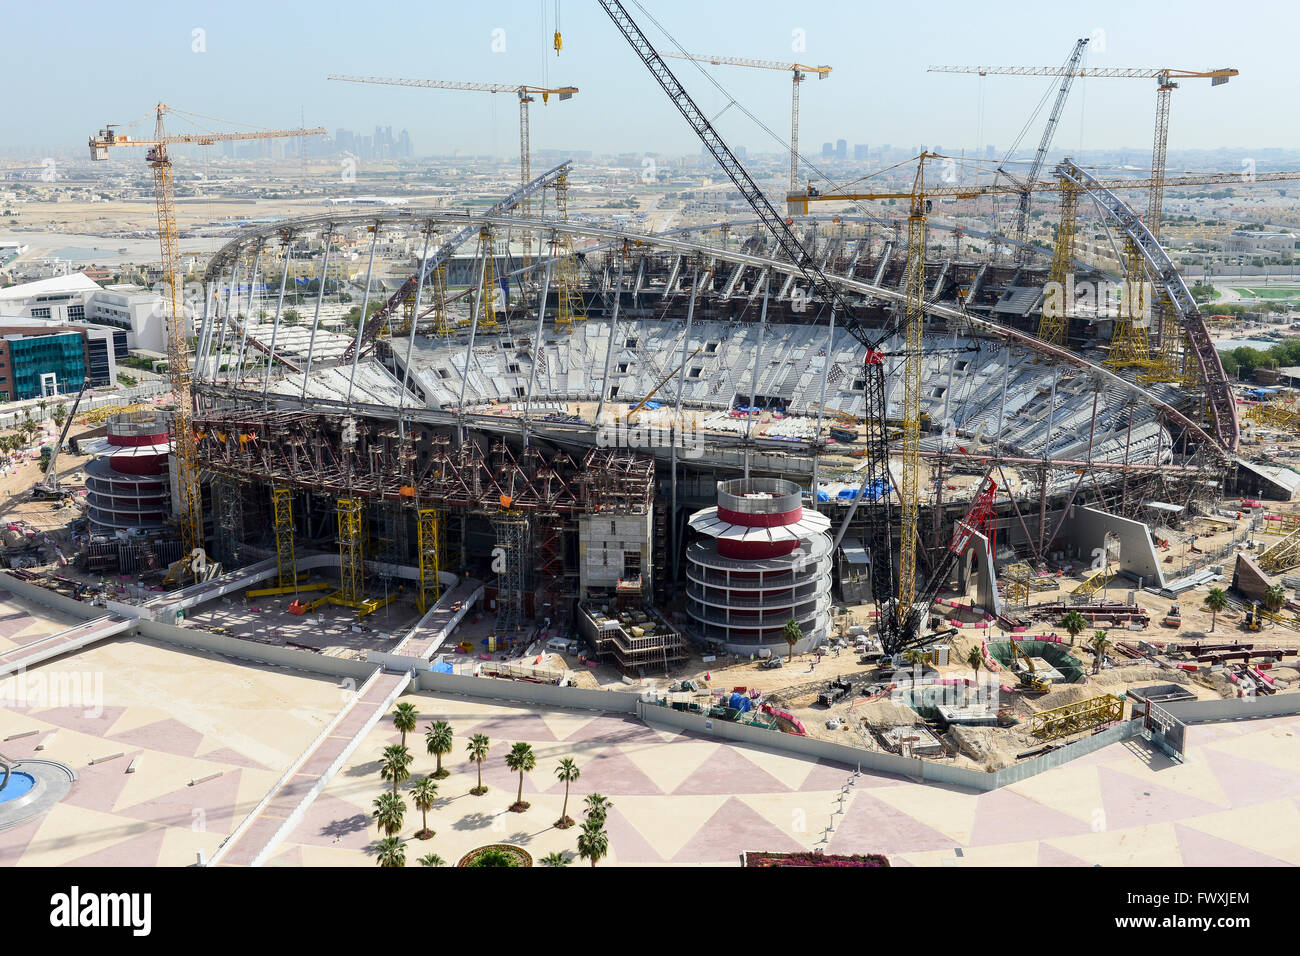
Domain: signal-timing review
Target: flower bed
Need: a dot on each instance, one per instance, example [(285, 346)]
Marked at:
[(519, 855), (763, 858)]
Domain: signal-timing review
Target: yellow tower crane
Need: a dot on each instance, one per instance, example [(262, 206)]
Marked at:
[(1132, 340), (526, 96), (178, 329), (920, 197), (798, 72)]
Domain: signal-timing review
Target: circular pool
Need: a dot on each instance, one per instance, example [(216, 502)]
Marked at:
[(20, 784)]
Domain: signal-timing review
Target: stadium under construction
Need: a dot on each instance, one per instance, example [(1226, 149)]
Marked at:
[(553, 423)]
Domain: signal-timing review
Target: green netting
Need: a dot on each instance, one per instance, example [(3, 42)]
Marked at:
[(1071, 667)]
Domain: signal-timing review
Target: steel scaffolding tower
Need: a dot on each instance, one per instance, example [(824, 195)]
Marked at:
[(489, 296), (282, 515), (509, 560), (1054, 323), (230, 519), (442, 326), (569, 305), (352, 538), (1129, 343), (430, 523)]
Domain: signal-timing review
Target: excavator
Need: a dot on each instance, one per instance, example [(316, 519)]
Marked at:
[(1028, 677), (1254, 618)]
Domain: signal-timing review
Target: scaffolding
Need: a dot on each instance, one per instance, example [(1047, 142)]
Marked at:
[(510, 562), (430, 522), (490, 289), (1129, 344), (1054, 323), (352, 536), (442, 325), (282, 516), (230, 520), (569, 304), (408, 316)]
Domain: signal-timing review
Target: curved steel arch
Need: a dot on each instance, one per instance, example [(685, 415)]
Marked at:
[(1222, 403), (566, 227)]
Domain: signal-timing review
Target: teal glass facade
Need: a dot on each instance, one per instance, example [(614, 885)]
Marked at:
[(33, 356)]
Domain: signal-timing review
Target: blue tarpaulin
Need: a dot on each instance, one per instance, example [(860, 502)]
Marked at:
[(740, 702)]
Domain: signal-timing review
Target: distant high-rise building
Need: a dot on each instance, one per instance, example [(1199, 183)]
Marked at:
[(990, 151), (841, 149), (382, 145), (828, 150), (860, 152)]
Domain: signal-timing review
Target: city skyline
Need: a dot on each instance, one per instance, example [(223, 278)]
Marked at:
[(204, 55)]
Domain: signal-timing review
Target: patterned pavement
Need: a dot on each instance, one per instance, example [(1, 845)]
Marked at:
[(682, 799), (183, 717), (19, 625)]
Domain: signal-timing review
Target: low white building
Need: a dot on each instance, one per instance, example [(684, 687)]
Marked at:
[(1247, 242), (77, 299)]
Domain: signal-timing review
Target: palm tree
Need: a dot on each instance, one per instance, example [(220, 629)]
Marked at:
[(793, 634), (522, 760), (438, 741), (593, 841), (404, 717), (1216, 601), (478, 751), (1275, 598), (568, 772), (395, 765), (389, 812), (556, 859), (976, 660), (60, 415), (1099, 644), (423, 793), (391, 852), (432, 859), (1075, 624), (597, 807)]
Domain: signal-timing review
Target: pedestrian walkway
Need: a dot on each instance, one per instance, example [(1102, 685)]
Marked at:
[(63, 642)]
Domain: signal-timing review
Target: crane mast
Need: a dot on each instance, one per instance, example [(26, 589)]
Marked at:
[(184, 451), (1068, 73), (894, 617), (798, 71)]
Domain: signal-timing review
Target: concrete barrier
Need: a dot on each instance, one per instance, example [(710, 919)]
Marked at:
[(248, 650), (1243, 708), (47, 598), (542, 695)]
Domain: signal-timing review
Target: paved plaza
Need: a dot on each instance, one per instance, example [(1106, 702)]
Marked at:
[(683, 799)]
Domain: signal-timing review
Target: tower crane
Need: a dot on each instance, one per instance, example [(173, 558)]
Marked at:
[(1068, 73), (797, 202), (178, 328), (1165, 78), (895, 597), (1166, 82), (798, 72), (527, 94)]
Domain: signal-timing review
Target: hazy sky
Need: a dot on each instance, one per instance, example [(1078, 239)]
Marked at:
[(74, 66)]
